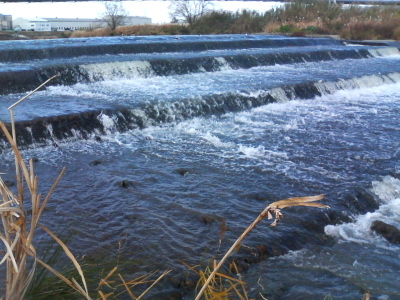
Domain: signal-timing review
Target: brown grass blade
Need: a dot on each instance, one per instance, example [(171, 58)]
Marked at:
[(73, 284), (229, 278), (35, 90), (155, 282), (15, 241), (139, 280), (18, 156), (191, 268), (31, 171), (103, 281), (59, 275), (9, 254), (295, 201), (81, 290), (318, 205), (6, 193), (104, 297), (239, 292), (273, 208), (70, 255), (127, 288), (366, 296), (15, 211), (46, 199), (242, 285)]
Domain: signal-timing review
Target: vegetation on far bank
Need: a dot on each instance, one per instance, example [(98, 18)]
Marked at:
[(298, 18)]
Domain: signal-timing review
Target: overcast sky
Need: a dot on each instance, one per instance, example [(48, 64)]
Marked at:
[(156, 10)]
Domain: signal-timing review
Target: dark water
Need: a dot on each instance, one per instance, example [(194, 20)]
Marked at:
[(198, 137)]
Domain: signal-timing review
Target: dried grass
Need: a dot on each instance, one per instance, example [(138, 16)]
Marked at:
[(221, 286), (271, 211), (135, 30), (322, 17), (17, 233), (91, 33)]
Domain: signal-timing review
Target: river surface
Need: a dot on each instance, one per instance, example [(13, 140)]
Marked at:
[(216, 142)]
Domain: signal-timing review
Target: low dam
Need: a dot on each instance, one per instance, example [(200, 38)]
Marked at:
[(168, 139)]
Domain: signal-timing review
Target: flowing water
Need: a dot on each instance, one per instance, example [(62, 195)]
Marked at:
[(165, 139)]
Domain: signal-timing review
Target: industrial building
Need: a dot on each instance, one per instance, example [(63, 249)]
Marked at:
[(32, 24), (6, 22), (62, 24)]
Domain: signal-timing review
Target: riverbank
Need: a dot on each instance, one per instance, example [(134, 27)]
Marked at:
[(32, 35), (297, 18)]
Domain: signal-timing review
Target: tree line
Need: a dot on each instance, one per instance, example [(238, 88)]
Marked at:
[(298, 18)]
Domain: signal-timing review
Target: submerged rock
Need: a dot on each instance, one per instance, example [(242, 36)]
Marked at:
[(389, 232), (209, 218), (167, 296), (362, 201), (9, 183), (395, 174), (124, 183), (127, 183), (186, 281), (182, 171), (95, 162)]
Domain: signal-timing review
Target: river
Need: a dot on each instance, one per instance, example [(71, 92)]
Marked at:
[(166, 138)]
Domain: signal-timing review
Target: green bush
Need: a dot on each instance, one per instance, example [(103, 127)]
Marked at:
[(224, 22), (286, 28)]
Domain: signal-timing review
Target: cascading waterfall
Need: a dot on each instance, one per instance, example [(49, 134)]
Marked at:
[(203, 130), (90, 124)]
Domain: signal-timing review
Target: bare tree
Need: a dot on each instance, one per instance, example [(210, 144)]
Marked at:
[(115, 14), (189, 10)]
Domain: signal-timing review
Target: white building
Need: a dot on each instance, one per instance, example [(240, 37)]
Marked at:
[(136, 20), (62, 24), (34, 24), (5, 22)]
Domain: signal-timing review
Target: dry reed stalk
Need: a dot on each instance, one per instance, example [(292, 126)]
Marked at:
[(18, 230), (17, 233), (274, 209), (366, 296), (128, 285), (217, 287)]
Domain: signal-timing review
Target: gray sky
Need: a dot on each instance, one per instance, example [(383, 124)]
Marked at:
[(157, 10)]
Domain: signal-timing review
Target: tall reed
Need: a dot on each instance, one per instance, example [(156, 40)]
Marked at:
[(18, 230), (271, 211)]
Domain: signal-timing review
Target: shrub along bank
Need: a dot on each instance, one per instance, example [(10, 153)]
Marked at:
[(300, 17), (322, 17)]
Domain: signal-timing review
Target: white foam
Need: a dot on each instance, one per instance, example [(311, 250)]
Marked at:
[(260, 151), (215, 141), (384, 52), (223, 64), (108, 123), (279, 95), (252, 152), (387, 189), (360, 231), (123, 69), (78, 90)]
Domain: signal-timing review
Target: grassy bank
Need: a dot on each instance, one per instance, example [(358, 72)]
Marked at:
[(298, 18), (321, 17), (140, 30)]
